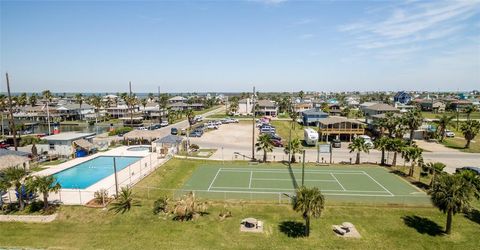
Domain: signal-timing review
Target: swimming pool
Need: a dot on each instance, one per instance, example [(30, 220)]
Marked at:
[(139, 148), (90, 172)]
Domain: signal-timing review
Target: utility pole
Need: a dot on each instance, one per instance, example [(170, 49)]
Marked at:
[(159, 108), (253, 124), (12, 121), (303, 168), (116, 180)]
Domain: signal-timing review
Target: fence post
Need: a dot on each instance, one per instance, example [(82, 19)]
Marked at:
[(80, 196)]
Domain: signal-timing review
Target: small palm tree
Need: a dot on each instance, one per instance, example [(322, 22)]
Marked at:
[(434, 168), (358, 145), (396, 146), (310, 202), (443, 122), (44, 185), (16, 178), (470, 129), (412, 154), (413, 119), (451, 194), (382, 144), (469, 110), (124, 201), (293, 147), (190, 117), (473, 178), (264, 143)]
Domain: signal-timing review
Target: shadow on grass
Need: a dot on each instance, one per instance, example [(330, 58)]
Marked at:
[(398, 172), (292, 229), (473, 215), (421, 185), (423, 225)]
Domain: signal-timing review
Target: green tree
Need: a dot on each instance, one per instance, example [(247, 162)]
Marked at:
[(469, 110), (434, 169), (358, 145), (264, 144), (382, 144), (47, 95), (443, 122), (309, 202), (44, 185), (79, 100), (301, 94), (413, 119), (396, 146), (473, 178), (470, 129), (124, 201), (190, 117), (32, 100), (16, 178), (451, 194), (293, 147), (412, 154)]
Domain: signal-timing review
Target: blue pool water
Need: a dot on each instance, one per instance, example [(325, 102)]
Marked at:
[(88, 173)]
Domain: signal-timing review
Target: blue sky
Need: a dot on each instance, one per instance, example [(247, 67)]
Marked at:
[(276, 45)]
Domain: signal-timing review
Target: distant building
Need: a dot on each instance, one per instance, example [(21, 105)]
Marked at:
[(176, 99), (312, 116), (378, 108), (63, 144), (339, 128), (459, 105), (266, 108), (402, 97), (244, 107)]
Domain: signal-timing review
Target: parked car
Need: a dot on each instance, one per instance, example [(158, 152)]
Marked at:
[(211, 126), (198, 118), (183, 131), (196, 133), (368, 140), (274, 136), (174, 131), (164, 124), (449, 133), (4, 145), (336, 143), (276, 143), (474, 169), (268, 130)]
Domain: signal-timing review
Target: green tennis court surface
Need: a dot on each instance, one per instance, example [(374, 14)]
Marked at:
[(343, 184)]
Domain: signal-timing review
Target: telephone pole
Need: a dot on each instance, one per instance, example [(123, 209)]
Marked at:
[(159, 108), (12, 121), (253, 124)]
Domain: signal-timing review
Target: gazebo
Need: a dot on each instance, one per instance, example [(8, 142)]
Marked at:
[(168, 144), (10, 158)]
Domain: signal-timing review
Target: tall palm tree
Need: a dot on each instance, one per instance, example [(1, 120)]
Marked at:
[(470, 129), (190, 117), (382, 144), (413, 119), (451, 194), (96, 101), (473, 178), (264, 143), (434, 168), (396, 146), (412, 154), (47, 95), (443, 122), (309, 202), (358, 145), (44, 185), (79, 100), (469, 110), (16, 178), (293, 147), (32, 100)]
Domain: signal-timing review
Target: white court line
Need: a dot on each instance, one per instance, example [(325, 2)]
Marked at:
[(287, 172), (254, 190), (266, 192), (379, 183), (338, 181), (250, 183), (214, 178), (283, 170), (273, 179)]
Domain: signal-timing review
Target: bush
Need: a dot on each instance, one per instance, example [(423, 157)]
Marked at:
[(101, 196), (160, 205), (27, 140), (118, 131), (194, 146)]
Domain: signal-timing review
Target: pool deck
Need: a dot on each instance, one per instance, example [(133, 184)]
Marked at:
[(126, 177)]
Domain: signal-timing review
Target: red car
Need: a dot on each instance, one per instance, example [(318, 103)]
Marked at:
[(4, 145), (276, 143)]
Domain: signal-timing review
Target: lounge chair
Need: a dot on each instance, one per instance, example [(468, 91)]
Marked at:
[(339, 230)]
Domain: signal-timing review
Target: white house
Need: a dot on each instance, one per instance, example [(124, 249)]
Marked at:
[(62, 144)]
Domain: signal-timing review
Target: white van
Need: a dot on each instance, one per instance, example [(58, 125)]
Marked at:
[(368, 140), (310, 136)]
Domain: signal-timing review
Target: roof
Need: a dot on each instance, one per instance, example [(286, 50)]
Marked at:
[(71, 106), (170, 139), (11, 158), (84, 144), (314, 111), (336, 119), (382, 107), (178, 98), (266, 103), (383, 115), (67, 136)]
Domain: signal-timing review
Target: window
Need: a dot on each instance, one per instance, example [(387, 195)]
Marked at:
[(51, 146)]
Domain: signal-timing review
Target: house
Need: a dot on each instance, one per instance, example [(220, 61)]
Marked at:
[(312, 116), (11, 158), (402, 97), (266, 108), (334, 109), (74, 111), (338, 127), (177, 99), (459, 105), (121, 110), (302, 106), (63, 143), (430, 105), (245, 107), (378, 108)]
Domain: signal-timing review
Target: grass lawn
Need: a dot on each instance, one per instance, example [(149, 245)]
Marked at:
[(381, 227), (458, 142), (202, 153), (430, 115)]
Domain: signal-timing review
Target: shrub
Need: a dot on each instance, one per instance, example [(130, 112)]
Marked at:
[(160, 205), (27, 140), (121, 130), (194, 146), (101, 196)]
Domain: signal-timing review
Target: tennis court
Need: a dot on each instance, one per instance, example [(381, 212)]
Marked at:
[(346, 184)]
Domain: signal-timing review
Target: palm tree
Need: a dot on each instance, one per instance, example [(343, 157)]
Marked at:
[(469, 110), (144, 103), (470, 129), (451, 194), (396, 146), (16, 178), (310, 202), (124, 201), (443, 122), (79, 100), (96, 101), (382, 144), (434, 168), (473, 178), (412, 154), (358, 145), (293, 147), (413, 119), (264, 143), (190, 117), (44, 185), (32, 100), (47, 95)]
